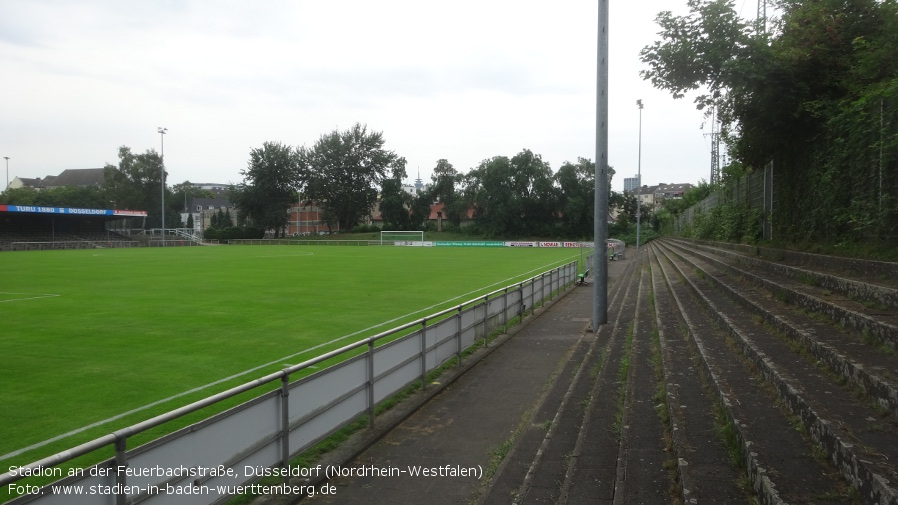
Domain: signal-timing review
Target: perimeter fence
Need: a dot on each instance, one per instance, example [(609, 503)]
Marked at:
[(293, 241), (65, 245), (753, 191), (209, 461)]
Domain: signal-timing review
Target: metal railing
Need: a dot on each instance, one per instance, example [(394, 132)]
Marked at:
[(204, 462), (70, 244)]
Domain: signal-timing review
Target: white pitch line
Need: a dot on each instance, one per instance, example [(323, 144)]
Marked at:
[(251, 370), (285, 255), (35, 296)]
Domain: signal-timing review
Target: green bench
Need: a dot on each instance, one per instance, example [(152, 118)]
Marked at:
[(582, 277)]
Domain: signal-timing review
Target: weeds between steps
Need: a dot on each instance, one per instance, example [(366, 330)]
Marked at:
[(622, 372)]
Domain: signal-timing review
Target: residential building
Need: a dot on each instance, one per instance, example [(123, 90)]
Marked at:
[(73, 177), (202, 210), (652, 196), (305, 219)]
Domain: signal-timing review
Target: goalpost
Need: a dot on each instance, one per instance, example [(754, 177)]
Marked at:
[(401, 237)]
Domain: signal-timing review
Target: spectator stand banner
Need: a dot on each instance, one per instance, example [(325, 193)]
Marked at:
[(35, 209)]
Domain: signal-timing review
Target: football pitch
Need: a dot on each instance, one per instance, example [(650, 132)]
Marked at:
[(96, 340)]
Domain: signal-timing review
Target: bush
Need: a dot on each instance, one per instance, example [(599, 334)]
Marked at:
[(727, 223), (232, 233), (365, 228), (450, 227)]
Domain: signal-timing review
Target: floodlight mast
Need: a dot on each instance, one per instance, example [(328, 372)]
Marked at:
[(162, 132), (600, 214), (639, 176)]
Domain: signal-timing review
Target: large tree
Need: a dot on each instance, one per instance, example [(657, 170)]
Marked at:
[(576, 200), (446, 188), (419, 213), (137, 184), (488, 191), (183, 193), (537, 198), (513, 195), (271, 182), (816, 95), (713, 52), (394, 201), (344, 170)]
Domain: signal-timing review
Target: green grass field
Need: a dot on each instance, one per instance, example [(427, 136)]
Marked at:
[(90, 334)]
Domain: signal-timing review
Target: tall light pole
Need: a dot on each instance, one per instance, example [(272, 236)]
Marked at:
[(7, 171), (639, 177), (162, 168), (600, 211)]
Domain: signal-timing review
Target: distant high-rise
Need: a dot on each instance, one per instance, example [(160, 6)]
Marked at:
[(631, 183)]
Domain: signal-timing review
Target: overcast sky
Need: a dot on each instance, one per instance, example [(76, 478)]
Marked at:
[(461, 80)]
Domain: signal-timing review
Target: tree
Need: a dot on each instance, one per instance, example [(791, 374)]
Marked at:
[(711, 50), (271, 181), (137, 184), (444, 177), (89, 197), (488, 191), (815, 95), (25, 195), (536, 198), (513, 195), (446, 189), (576, 200), (183, 193), (774, 93), (343, 171), (394, 201), (420, 210)]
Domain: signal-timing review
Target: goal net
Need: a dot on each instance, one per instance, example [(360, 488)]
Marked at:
[(401, 237)]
